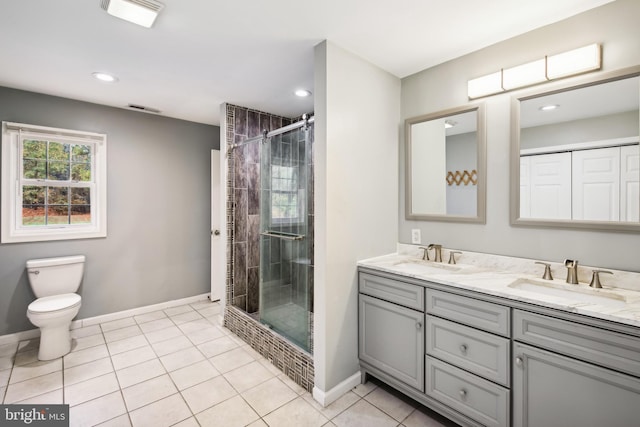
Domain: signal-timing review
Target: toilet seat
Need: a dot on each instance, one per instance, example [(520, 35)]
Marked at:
[(54, 303)]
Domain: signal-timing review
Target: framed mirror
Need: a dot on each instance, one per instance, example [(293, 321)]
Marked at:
[(575, 157), (445, 165)]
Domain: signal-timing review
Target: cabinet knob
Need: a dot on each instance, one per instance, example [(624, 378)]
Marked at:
[(419, 325), (519, 361), (463, 394), (463, 349)]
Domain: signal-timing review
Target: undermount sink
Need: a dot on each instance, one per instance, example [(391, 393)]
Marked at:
[(572, 293), (425, 267)]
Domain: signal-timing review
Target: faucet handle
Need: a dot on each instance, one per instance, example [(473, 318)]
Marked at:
[(452, 256), (547, 270), (595, 279), (425, 254)]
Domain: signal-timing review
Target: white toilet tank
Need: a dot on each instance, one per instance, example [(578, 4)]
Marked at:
[(55, 276)]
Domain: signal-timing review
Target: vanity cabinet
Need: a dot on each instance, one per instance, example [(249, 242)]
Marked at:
[(573, 375), (391, 328)]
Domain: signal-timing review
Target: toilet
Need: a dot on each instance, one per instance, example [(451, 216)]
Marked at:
[(54, 281)]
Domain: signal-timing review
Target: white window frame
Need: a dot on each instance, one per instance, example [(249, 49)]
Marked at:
[(300, 200), (11, 228)]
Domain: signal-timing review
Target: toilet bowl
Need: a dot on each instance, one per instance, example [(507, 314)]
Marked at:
[(54, 281)]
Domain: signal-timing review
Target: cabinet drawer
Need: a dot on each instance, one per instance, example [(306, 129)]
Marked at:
[(607, 348), (479, 352), (475, 397), (479, 314), (402, 293)]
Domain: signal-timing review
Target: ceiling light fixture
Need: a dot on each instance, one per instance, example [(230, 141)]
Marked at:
[(566, 64), (549, 107), (448, 124), (140, 12), (302, 93), (105, 77)]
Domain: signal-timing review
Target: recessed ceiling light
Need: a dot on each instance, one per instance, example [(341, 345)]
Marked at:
[(302, 93), (104, 77), (549, 107), (140, 12), (448, 124)]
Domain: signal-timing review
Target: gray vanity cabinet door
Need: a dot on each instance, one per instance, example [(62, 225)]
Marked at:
[(553, 390), (391, 338)]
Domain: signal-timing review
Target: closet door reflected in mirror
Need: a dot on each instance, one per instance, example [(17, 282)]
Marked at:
[(445, 165), (576, 155)]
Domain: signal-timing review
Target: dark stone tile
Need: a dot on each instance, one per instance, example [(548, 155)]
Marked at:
[(276, 122), (253, 290), (240, 122), (240, 167), (240, 230), (253, 124), (240, 302), (310, 289), (240, 269), (265, 122), (253, 251), (254, 201), (253, 152), (253, 176)]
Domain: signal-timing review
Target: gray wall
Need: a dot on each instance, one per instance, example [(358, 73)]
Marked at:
[(615, 25), (159, 198)]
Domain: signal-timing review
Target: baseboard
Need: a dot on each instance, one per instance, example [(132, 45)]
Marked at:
[(89, 321), (325, 398)]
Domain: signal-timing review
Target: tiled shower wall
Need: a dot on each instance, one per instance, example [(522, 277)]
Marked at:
[(243, 245)]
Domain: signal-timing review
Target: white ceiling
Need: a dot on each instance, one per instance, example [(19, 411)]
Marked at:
[(254, 53)]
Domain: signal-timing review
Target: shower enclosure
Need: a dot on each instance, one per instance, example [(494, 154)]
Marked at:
[(286, 244)]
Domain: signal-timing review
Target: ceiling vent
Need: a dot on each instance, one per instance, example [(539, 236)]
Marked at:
[(141, 12), (143, 108)]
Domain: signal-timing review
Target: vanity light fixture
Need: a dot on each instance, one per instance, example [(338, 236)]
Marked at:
[(105, 77), (140, 12), (448, 124), (571, 63), (302, 93)]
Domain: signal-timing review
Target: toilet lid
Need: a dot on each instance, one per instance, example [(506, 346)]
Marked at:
[(54, 303)]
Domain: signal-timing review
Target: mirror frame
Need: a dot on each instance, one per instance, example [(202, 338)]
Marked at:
[(481, 165), (579, 83)]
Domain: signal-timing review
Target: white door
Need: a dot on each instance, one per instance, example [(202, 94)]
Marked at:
[(550, 186), (217, 242), (596, 184), (630, 183)]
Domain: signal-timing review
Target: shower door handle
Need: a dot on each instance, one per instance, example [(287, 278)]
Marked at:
[(285, 236)]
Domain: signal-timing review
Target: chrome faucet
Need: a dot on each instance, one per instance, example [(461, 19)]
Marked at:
[(425, 254), (572, 271), (438, 251)]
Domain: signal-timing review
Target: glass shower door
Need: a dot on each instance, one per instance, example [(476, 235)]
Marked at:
[(285, 265)]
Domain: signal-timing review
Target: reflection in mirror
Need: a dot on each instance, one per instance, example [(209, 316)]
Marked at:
[(577, 156), (445, 157)]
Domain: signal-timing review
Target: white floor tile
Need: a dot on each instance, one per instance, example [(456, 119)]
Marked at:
[(117, 324), (6, 362), (163, 334), (148, 317), (208, 394), (193, 374), (156, 325), (132, 357), (232, 359), (268, 396), (259, 423), (33, 387), (189, 316), (91, 389), (141, 372), (81, 343), (296, 413), (202, 304), (195, 325), (234, 412), (389, 404), (335, 408), (2, 391), (217, 346), (54, 397), (122, 333), (149, 391), (35, 369), (248, 376), (121, 421), (172, 311), (419, 418), (86, 331), (25, 357), (127, 344), (97, 411), (87, 355), (206, 334), (189, 422), (291, 384), (28, 345), (364, 389), (4, 377), (364, 414), (182, 358), (163, 413), (8, 349), (172, 345), (87, 371)]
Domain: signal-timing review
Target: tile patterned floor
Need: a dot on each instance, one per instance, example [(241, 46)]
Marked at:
[(180, 367)]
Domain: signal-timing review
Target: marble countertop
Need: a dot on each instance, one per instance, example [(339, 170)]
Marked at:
[(610, 303)]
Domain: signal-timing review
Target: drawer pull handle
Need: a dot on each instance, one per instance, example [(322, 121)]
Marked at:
[(419, 325), (519, 362), (463, 394), (463, 349)]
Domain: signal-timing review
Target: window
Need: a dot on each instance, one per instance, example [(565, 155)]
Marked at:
[(286, 199), (53, 184)]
